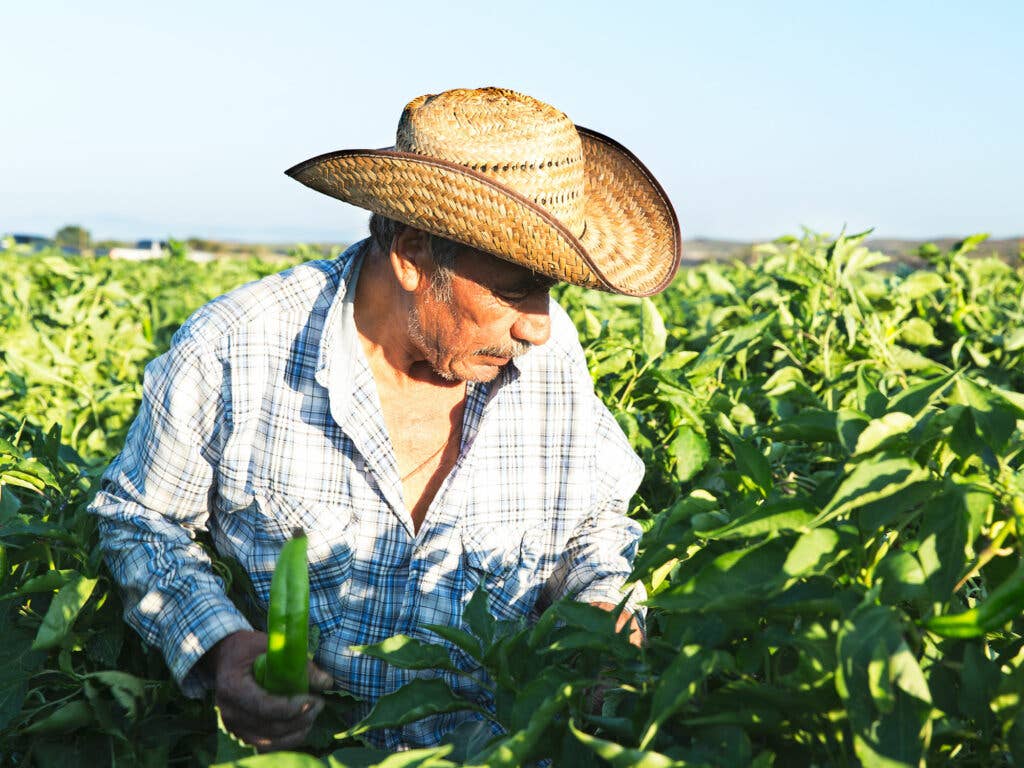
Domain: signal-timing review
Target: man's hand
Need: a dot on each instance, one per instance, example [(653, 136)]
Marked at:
[(259, 718), (636, 635)]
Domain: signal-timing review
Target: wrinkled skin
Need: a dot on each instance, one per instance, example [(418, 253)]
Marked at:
[(259, 718)]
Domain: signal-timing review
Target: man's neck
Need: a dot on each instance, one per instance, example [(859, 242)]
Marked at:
[(382, 310)]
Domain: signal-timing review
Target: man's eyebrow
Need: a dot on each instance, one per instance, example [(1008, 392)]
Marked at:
[(538, 281), (534, 281)]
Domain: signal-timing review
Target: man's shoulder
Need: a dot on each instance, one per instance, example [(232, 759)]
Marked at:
[(276, 301)]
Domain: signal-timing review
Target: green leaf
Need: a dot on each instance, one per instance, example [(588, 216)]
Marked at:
[(917, 397), (882, 432), (886, 695), (942, 542), (734, 580), (878, 477), (517, 748), (415, 700), (911, 361), (17, 664), (357, 757), (468, 740), (65, 719), (691, 452), (274, 760), (46, 582), (751, 462), (869, 400), (21, 479), (678, 358), (478, 618), (459, 638), (408, 653), (63, 610), (920, 284), (534, 695), (811, 553), (995, 417), (615, 362), (849, 425), (918, 333), (812, 425), (9, 503), (652, 330), (901, 577), (430, 757), (969, 244), (585, 616), (678, 684), (791, 514), (128, 690), (229, 746), (619, 756)]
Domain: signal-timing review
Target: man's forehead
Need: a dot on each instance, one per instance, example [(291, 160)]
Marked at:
[(494, 272)]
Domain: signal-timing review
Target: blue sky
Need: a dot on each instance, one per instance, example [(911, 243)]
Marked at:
[(145, 120)]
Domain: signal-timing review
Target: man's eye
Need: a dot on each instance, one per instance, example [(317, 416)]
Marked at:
[(514, 296)]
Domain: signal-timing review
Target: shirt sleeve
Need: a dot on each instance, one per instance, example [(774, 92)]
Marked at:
[(598, 559), (153, 499)]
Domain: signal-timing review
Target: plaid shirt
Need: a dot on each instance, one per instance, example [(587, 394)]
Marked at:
[(264, 415)]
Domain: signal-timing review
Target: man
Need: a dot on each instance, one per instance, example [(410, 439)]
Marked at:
[(418, 406)]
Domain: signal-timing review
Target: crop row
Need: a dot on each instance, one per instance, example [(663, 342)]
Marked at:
[(833, 451)]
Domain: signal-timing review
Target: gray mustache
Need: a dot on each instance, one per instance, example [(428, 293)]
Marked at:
[(512, 349)]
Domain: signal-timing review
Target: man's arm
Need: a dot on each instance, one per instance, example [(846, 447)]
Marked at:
[(154, 498), (598, 557)]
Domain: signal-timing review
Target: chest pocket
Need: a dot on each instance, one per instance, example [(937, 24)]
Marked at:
[(331, 536), (507, 561)]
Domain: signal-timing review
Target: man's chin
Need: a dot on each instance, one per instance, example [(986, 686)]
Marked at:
[(478, 372)]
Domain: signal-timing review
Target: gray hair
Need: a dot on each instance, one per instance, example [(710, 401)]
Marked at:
[(384, 231)]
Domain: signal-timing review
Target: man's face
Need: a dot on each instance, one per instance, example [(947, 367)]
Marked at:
[(497, 311)]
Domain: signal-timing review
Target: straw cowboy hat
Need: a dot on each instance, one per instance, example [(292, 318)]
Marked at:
[(512, 176)]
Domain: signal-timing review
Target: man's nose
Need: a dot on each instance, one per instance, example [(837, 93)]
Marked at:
[(534, 324)]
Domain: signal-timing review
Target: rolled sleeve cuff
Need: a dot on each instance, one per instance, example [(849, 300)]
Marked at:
[(210, 619)]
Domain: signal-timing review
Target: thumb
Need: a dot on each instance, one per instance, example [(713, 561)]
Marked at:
[(318, 679)]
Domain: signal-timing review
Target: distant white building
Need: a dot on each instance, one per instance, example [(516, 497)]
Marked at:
[(145, 250)]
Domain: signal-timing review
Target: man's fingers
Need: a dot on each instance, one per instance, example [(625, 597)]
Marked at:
[(247, 695), (283, 709), (257, 717), (318, 679), (264, 743), (249, 700), (283, 742), (255, 730)]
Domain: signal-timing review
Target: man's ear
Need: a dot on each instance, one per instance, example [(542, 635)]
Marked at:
[(410, 258)]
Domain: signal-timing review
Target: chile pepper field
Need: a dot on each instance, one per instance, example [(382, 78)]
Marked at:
[(833, 514)]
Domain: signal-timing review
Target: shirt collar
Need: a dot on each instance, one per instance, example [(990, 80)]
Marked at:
[(339, 352)]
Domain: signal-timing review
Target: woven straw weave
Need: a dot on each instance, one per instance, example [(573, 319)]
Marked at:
[(512, 176)]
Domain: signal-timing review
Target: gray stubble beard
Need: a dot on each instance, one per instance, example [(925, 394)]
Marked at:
[(419, 337)]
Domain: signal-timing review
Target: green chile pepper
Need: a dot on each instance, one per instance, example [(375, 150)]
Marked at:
[(283, 669), (1005, 603), (69, 717)]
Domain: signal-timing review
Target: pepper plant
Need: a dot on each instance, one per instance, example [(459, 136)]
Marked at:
[(832, 514)]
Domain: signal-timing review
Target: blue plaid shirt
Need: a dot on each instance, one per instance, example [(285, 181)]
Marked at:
[(264, 415)]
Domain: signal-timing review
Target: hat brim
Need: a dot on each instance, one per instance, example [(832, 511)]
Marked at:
[(630, 244)]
